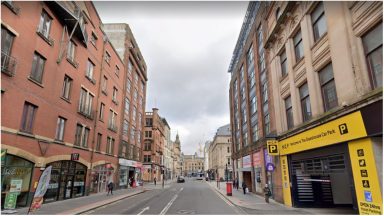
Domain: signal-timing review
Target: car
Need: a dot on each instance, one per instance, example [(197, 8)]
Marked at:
[(180, 179)]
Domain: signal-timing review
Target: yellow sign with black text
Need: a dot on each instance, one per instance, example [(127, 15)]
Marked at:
[(273, 148), (286, 181), (365, 177), (343, 129)]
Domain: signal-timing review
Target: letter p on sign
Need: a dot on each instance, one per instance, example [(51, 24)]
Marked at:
[(272, 147)]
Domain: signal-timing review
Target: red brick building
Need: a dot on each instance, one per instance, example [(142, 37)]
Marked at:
[(63, 89)]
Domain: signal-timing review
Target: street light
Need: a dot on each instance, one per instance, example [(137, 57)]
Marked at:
[(226, 172)]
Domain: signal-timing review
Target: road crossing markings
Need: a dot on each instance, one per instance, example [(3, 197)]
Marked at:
[(143, 210)]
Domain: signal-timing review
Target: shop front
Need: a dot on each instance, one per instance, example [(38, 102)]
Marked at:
[(67, 181), (130, 172), (335, 164), (101, 176), (246, 172), (16, 175), (257, 166)]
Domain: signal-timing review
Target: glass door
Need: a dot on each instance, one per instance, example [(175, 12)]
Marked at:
[(68, 187)]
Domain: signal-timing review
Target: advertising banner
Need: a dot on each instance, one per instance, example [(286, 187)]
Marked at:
[(257, 159), (10, 200), (247, 161), (42, 187)]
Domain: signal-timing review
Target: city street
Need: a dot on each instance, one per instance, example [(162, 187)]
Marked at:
[(191, 197)]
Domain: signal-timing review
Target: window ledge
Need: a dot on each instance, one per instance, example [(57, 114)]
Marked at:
[(66, 99), (93, 81), (80, 147), (104, 92), (320, 41), (12, 7), (299, 62), (73, 62), (283, 77), (34, 81), (27, 134), (59, 142), (49, 41)]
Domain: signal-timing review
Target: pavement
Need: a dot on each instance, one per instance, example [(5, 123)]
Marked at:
[(255, 204), (86, 203)]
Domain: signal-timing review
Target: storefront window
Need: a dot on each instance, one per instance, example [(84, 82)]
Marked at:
[(101, 175), (67, 181), (16, 168)]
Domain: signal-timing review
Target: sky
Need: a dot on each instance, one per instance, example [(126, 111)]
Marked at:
[(187, 47)]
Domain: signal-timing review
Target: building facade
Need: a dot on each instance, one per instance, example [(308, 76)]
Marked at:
[(219, 153), (326, 69), (132, 107), (251, 106), (62, 99), (192, 165)]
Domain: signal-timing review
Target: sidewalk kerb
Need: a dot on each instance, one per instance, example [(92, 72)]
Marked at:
[(100, 204)]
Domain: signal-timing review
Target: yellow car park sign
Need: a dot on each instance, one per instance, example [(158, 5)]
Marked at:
[(273, 148)]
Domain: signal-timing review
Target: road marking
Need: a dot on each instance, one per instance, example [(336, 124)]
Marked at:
[(239, 210), (144, 209), (181, 189), (168, 205)]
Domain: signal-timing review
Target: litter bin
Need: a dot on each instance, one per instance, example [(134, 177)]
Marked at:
[(229, 188)]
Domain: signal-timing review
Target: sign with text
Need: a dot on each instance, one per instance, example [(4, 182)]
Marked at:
[(16, 185), (247, 161), (346, 128), (42, 187), (272, 146), (10, 200), (75, 156), (257, 159), (365, 177)]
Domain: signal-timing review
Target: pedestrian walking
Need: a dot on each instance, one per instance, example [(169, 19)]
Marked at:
[(110, 188), (237, 183), (154, 180), (244, 186), (267, 193)]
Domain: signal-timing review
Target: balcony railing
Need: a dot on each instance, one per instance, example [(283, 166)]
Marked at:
[(8, 64)]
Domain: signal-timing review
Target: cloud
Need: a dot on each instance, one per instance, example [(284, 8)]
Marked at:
[(187, 47)]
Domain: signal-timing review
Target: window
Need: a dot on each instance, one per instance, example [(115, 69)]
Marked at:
[(255, 132), (148, 134), (288, 112), (147, 158), (112, 120), (98, 142), (135, 95), (126, 108), (128, 86), (298, 44), (81, 136), (6, 46), (66, 87), (148, 122), (71, 51), (253, 105), (114, 95), (318, 22), (147, 146), (37, 67), (278, 13), (110, 145), (93, 38), (136, 78), (228, 151), (104, 85), (229, 160), (85, 105), (117, 70), (130, 66), (107, 57), (139, 121), (138, 136), (125, 127), (101, 113), (142, 87), (283, 64), (28, 117), (134, 114), (373, 47), (89, 71), (45, 24), (328, 88), (60, 128), (305, 102), (245, 139), (133, 134)]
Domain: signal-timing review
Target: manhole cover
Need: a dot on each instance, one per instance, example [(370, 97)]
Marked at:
[(186, 212)]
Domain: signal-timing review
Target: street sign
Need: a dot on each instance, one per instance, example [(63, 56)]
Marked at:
[(272, 146), (270, 167)]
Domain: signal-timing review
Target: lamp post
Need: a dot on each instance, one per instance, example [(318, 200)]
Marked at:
[(226, 172)]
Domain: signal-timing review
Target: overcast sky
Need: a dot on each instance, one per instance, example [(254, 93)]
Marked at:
[(187, 47)]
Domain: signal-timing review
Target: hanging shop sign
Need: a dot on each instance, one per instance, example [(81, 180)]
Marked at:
[(42, 187), (75, 156), (365, 177), (346, 128), (257, 159), (270, 167)]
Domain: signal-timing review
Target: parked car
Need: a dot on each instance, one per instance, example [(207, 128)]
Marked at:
[(180, 179)]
